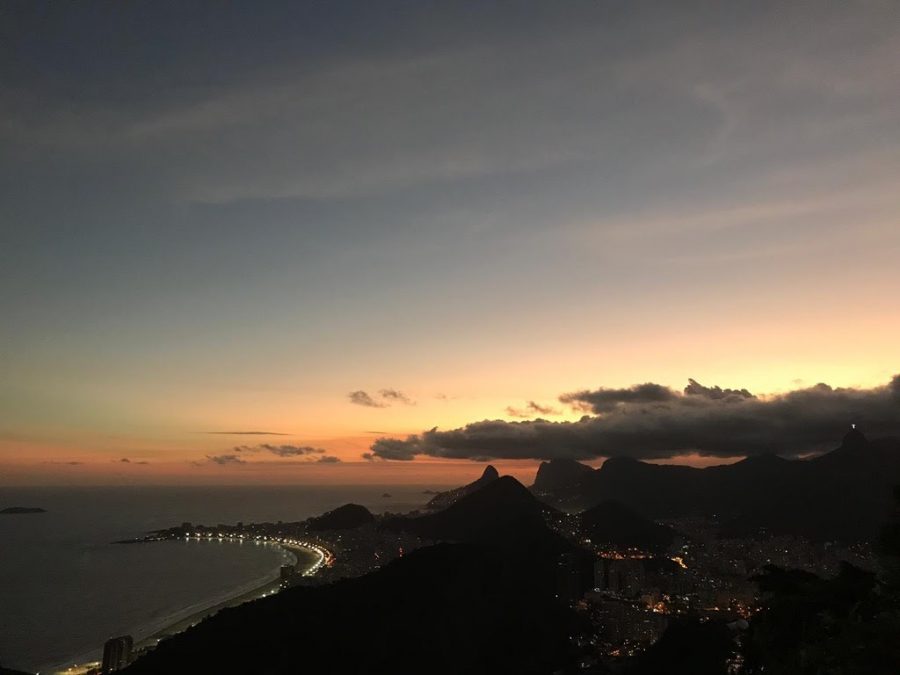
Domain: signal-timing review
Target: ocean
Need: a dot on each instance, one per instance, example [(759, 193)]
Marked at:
[(65, 587)]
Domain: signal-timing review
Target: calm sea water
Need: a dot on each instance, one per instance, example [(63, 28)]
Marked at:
[(65, 588)]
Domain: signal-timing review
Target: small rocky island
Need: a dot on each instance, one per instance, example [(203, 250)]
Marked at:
[(16, 510)]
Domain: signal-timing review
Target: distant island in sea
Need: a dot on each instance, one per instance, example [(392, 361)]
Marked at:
[(17, 510)]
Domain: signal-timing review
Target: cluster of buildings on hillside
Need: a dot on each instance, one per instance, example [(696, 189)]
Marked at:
[(630, 596)]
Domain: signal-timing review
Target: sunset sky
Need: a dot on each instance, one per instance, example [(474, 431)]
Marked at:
[(342, 222)]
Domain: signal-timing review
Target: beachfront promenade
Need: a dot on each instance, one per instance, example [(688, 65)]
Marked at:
[(324, 556)]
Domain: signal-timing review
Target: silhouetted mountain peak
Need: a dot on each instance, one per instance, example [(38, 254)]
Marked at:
[(504, 492), (854, 438), (444, 499), (489, 511), (622, 464), (559, 473)]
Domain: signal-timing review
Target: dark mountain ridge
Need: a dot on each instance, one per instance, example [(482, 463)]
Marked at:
[(842, 494)]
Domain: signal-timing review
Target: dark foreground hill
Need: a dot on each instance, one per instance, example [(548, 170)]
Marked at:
[(443, 609), (843, 494), (346, 517), (504, 519), (615, 524)]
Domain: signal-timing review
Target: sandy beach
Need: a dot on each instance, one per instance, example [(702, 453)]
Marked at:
[(150, 635), (303, 558)]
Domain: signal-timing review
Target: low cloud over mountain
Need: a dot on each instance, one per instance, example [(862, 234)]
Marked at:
[(651, 421)]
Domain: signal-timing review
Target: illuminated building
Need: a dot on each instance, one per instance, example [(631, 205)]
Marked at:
[(116, 653)]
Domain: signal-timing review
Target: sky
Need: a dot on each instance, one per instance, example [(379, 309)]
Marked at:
[(347, 224)]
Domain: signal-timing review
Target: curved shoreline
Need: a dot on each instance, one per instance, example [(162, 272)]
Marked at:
[(172, 626)]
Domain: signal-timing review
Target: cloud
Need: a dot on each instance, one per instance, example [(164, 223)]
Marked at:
[(387, 397), (126, 460), (604, 400), (246, 433), (225, 460), (374, 130), (531, 409), (694, 388), (396, 396), (280, 450), (360, 397), (650, 421), (309, 455)]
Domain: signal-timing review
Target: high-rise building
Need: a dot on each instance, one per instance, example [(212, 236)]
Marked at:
[(116, 653), (288, 575)]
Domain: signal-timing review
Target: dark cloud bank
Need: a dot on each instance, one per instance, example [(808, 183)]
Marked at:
[(651, 421)]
